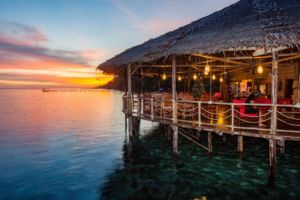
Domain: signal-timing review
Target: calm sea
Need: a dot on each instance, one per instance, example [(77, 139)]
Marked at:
[(71, 146), (58, 145)]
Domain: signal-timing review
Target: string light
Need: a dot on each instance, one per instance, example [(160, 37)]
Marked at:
[(207, 68), (164, 76), (221, 79), (195, 77), (206, 73), (260, 69), (213, 77), (179, 78)]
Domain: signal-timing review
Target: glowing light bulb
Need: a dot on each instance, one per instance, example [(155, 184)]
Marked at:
[(207, 68), (221, 79), (260, 69), (213, 77), (179, 78), (164, 76), (195, 76), (206, 73)]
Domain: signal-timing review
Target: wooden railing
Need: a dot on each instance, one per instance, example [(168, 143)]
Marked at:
[(217, 115)]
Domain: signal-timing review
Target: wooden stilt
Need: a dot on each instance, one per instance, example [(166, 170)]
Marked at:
[(240, 147), (175, 140), (272, 159), (224, 138), (129, 106), (272, 142), (281, 145), (174, 102), (240, 144), (209, 142), (198, 135)]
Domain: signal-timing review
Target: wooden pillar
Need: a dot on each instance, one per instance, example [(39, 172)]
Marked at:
[(281, 145), (129, 95), (209, 142), (272, 159), (174, 97), (274, 92), (272, 142), (240, 147)]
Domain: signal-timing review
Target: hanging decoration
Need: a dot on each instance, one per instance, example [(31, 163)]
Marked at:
[(195, 77), (179, 78), (164, 76), (260, 68)]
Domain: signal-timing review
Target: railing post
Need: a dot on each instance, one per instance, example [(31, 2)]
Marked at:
[(232, 117), (152, 109), (199, 114)]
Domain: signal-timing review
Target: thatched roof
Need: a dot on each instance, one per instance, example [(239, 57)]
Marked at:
[(247, 24)]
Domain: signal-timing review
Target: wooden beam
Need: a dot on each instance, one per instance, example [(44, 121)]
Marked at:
[(283, 59), (226, 60), (263, 51)]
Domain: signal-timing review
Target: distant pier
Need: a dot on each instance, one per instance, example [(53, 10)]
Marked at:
[(71, 90)]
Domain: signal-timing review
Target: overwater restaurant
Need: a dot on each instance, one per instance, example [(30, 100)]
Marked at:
[(233, 72)]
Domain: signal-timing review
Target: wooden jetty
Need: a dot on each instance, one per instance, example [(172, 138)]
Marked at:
[(252, 45), (70, 90)]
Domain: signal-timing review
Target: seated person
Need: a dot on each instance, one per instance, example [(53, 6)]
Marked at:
[(251, 109)]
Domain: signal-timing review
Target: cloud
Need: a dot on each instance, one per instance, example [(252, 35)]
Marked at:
[(20, 34), (152, 26), (42, 53), (27, 61)]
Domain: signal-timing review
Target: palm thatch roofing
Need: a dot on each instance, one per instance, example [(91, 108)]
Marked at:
[(245, 25)]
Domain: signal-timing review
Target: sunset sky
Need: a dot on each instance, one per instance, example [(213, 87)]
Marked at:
[(59, 43)]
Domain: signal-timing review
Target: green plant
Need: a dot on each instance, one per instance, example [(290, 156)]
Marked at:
[(198, 89)]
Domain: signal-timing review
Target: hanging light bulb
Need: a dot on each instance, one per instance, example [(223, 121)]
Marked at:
[(164, 76), (206, 73), (179, 78), (260, 69), (207, 68), (213, 77), (195, 76), (221, 79)]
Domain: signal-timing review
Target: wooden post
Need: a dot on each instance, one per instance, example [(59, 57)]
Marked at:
[(272, 159), (232, 117), (281, 145), (152, 109), (174, 104), (272, 142), (240, 147), (129, 96), (199, 114), (209, 142), (274, 92)]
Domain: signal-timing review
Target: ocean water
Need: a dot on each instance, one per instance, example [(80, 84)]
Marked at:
[(71, 146), (58, 145)]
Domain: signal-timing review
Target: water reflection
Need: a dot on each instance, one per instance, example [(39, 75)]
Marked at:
[(58, 145), (150, 171)]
